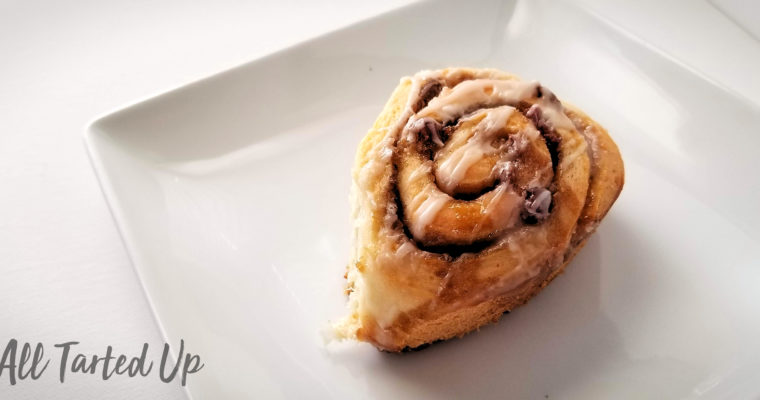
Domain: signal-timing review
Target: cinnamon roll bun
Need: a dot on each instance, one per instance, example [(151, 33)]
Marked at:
[(471, 192)]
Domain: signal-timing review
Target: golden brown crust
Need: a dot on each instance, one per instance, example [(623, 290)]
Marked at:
[(467, 319), (461, 321), (607, 174), (403, 295)]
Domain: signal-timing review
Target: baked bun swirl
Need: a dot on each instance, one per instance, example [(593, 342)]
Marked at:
[(472, 191)]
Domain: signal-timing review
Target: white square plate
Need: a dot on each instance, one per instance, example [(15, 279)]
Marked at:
[(232, 197)]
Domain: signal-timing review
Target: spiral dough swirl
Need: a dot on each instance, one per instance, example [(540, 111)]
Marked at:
[(471, 192), (477, 158)]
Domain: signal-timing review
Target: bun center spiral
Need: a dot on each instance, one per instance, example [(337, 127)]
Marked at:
[(476, 159)]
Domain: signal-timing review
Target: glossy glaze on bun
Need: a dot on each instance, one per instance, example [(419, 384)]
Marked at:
[(471, 192)]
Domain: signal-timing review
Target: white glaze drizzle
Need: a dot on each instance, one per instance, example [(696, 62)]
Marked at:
[(405, 248), (453, 102), (568, 159), (379, 156), (553, 111), (368, 202), (378, 159), (426, 210), (417, 81), (508, 200), (421, 171), (455, 167), (450, 104)]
